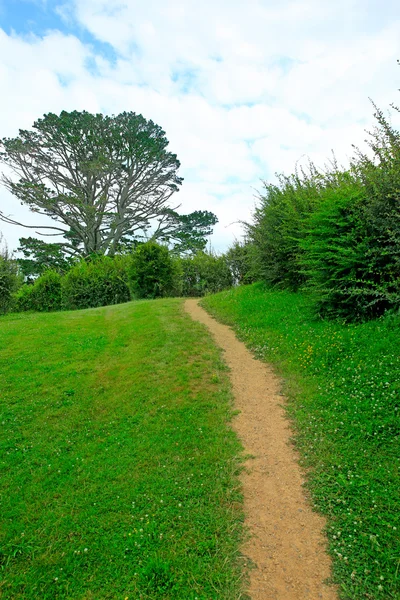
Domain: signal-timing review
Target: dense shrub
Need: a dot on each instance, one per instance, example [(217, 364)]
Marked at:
[(335, 256), (352, 248), (149, 272), (242, 262), (48, 291), (336, 232), (204, 274), (9, 281), (279, 225), (44, 295), (380, 177), (24, 299), (98, 282), (152, 272)]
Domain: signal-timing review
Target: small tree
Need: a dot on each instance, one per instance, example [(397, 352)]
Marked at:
[(152, 272), (40, 256)]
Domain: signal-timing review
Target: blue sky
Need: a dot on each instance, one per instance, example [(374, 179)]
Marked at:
[(26, 16), (243, 90)]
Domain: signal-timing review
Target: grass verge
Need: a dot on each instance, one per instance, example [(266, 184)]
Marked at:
[(118, 466), (343, 385)]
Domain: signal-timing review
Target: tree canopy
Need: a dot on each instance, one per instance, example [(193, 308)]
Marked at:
[(38, 257), (106, 181)]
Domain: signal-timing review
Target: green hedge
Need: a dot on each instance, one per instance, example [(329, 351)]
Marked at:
[(336, 232), (152, 272), (100, 282), (43, 296), (149, 272), (204, 274)]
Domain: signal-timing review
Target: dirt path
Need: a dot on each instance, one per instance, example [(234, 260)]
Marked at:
[(287, 544)]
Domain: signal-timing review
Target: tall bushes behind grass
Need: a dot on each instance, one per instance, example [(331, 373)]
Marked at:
[(148, 272), (241, 259), (204, 273), (99, 282), (336, 232), (44, 295), (279, 225), (152, 272)]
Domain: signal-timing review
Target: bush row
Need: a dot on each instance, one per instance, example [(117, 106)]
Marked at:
[(336, 232), (149, 272)]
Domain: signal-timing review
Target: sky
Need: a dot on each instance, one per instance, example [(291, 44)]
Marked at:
[(243, 89)]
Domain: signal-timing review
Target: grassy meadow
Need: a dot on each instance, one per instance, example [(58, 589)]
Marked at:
[(343, 385), (119, 470)]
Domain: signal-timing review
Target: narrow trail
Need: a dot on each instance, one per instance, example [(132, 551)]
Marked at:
[(286, 544)]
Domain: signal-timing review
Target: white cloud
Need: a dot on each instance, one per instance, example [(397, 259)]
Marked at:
[(241, 89)]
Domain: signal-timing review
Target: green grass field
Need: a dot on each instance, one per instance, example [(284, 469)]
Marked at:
[(343, 384), (119, 470)]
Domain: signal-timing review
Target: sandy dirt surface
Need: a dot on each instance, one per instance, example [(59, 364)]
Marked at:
[(286, 542)]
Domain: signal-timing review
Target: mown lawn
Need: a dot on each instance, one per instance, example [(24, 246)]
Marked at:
[(119, 470), (343, 383)]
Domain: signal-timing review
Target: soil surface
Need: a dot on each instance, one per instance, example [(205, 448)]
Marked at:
[(286, 544)]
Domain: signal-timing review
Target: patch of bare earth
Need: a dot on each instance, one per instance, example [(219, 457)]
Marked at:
[(286, 543)]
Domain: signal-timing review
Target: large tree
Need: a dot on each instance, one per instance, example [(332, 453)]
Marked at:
[(105, 181)]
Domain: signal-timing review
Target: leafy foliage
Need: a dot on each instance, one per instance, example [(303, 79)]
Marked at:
[(335, 255), (352, 247), (242, 262), (337, 232), (9, 280), (40, 256), (101, 178), (279, 225), (24, 299), (97, 282), (204, 273), (380, 177), (43, 296), (185, 233), (48, 291), (152, 271)]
